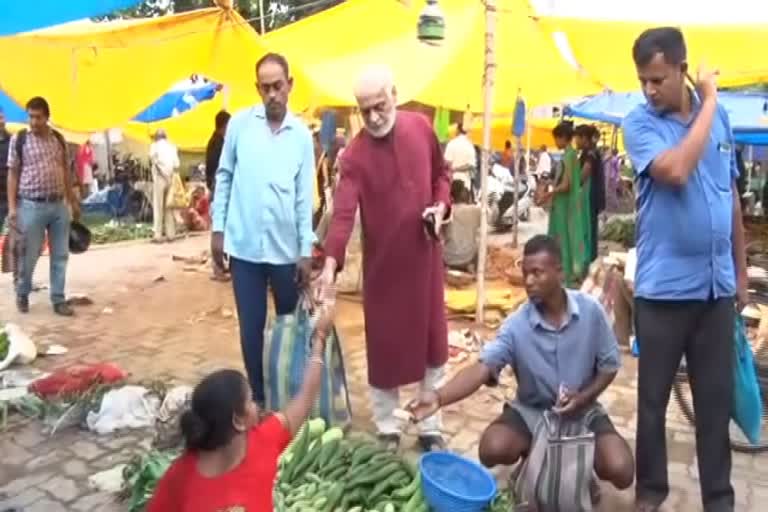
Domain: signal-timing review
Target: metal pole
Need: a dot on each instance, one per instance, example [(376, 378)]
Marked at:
[(108, 147), (490, 68), (261, 17)]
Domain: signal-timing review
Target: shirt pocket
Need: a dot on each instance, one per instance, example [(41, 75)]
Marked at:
[(721, 158)]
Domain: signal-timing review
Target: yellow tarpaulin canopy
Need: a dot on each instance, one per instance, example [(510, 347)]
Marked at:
[(449, 75), (604, 50), (501, 131), (101, 75)]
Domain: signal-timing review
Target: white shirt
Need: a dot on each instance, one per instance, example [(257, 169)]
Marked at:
[(164, 157), (544, 166), (460, 152)]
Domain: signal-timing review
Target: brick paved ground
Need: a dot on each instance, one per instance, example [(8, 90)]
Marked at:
[(181, 328)]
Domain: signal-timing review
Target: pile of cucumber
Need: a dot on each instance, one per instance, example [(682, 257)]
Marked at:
[(324, 472)]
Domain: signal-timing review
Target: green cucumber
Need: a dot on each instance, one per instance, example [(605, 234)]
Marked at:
[(377, 475), (407, 492), (307, 461)]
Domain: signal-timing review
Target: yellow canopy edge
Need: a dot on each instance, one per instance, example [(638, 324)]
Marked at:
[(604, 50)]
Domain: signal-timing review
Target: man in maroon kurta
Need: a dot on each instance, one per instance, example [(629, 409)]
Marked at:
[(393, 170)]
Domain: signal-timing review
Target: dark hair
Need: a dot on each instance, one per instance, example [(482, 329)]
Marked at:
[(460, 129), (459, 192), (508, 144), (667, 41), (583, 130), (222, 118), (277, 59), (564, 130), (543, 243), (39, 103), (207, 425)]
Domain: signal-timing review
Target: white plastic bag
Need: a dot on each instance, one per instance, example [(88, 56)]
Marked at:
[(21, 348), (127, 407)]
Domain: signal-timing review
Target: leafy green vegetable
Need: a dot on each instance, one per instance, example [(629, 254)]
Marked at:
[(141, 475), (5, 345), (112, 232)]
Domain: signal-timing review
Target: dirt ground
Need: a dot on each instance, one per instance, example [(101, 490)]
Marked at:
[(158, 319)]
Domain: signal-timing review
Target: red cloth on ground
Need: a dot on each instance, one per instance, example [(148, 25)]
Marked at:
[(77, 379), (246, 488), (393, 179)]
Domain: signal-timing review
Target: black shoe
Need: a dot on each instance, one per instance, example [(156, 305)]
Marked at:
[(390, 442), (432, 443), (63, 309), (22, 304)]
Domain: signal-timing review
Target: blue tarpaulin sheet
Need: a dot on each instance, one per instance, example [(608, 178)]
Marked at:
[(18, 16), (13, 112), (175, 102), (169, 104), (748, 112)]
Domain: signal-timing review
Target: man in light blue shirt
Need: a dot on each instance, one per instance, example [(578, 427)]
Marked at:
[(262, 211), (691, 263), (564, 355)]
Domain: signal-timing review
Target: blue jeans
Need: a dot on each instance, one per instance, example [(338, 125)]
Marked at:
[(250, 282), (34, 219)]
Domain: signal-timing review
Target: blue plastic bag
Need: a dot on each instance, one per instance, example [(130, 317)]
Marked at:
[(747, 403)]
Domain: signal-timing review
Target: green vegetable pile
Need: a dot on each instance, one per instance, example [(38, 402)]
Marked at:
[(111, 232), (323, 472), (5, 345), (619, 230), (140, 477)]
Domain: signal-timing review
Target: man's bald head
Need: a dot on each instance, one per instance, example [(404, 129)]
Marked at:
[(377, 98)]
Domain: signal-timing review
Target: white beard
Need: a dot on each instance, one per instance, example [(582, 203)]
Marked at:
[(382, 131)]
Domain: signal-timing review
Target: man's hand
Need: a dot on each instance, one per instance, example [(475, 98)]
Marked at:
[(217, 249), (706, 83), (12, 218), (437, 211), (304, 272), (426, 405), (742, 292), (571, 404), (325, 289), (74, 205)]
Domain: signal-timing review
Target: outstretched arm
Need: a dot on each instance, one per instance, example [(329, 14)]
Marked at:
[(298, 409)]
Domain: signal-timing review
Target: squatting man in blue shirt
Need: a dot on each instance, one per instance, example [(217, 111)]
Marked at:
[(564, 355), (262, 210), (691, 263)]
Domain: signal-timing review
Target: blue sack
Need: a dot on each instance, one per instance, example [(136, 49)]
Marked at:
[(747, 403)]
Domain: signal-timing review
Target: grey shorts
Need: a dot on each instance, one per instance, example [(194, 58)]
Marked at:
[(523, 419)]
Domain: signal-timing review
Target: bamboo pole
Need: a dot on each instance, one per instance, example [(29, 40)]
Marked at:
[(490, 69), (261, 17)]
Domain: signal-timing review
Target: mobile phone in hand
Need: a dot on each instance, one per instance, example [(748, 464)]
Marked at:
[(430, 225)]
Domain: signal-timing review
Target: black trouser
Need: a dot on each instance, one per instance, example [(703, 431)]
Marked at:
[(703, 331), (251, 282)]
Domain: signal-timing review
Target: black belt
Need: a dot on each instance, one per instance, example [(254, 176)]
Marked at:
[(44, 199)]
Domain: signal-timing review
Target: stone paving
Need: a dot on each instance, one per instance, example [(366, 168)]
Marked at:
[(181, 327)]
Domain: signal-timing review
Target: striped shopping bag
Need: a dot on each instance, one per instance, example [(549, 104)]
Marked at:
[(286, 352), (556, 474)]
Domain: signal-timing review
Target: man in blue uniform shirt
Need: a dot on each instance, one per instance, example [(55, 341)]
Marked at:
[(262, 209), (691, 262)]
